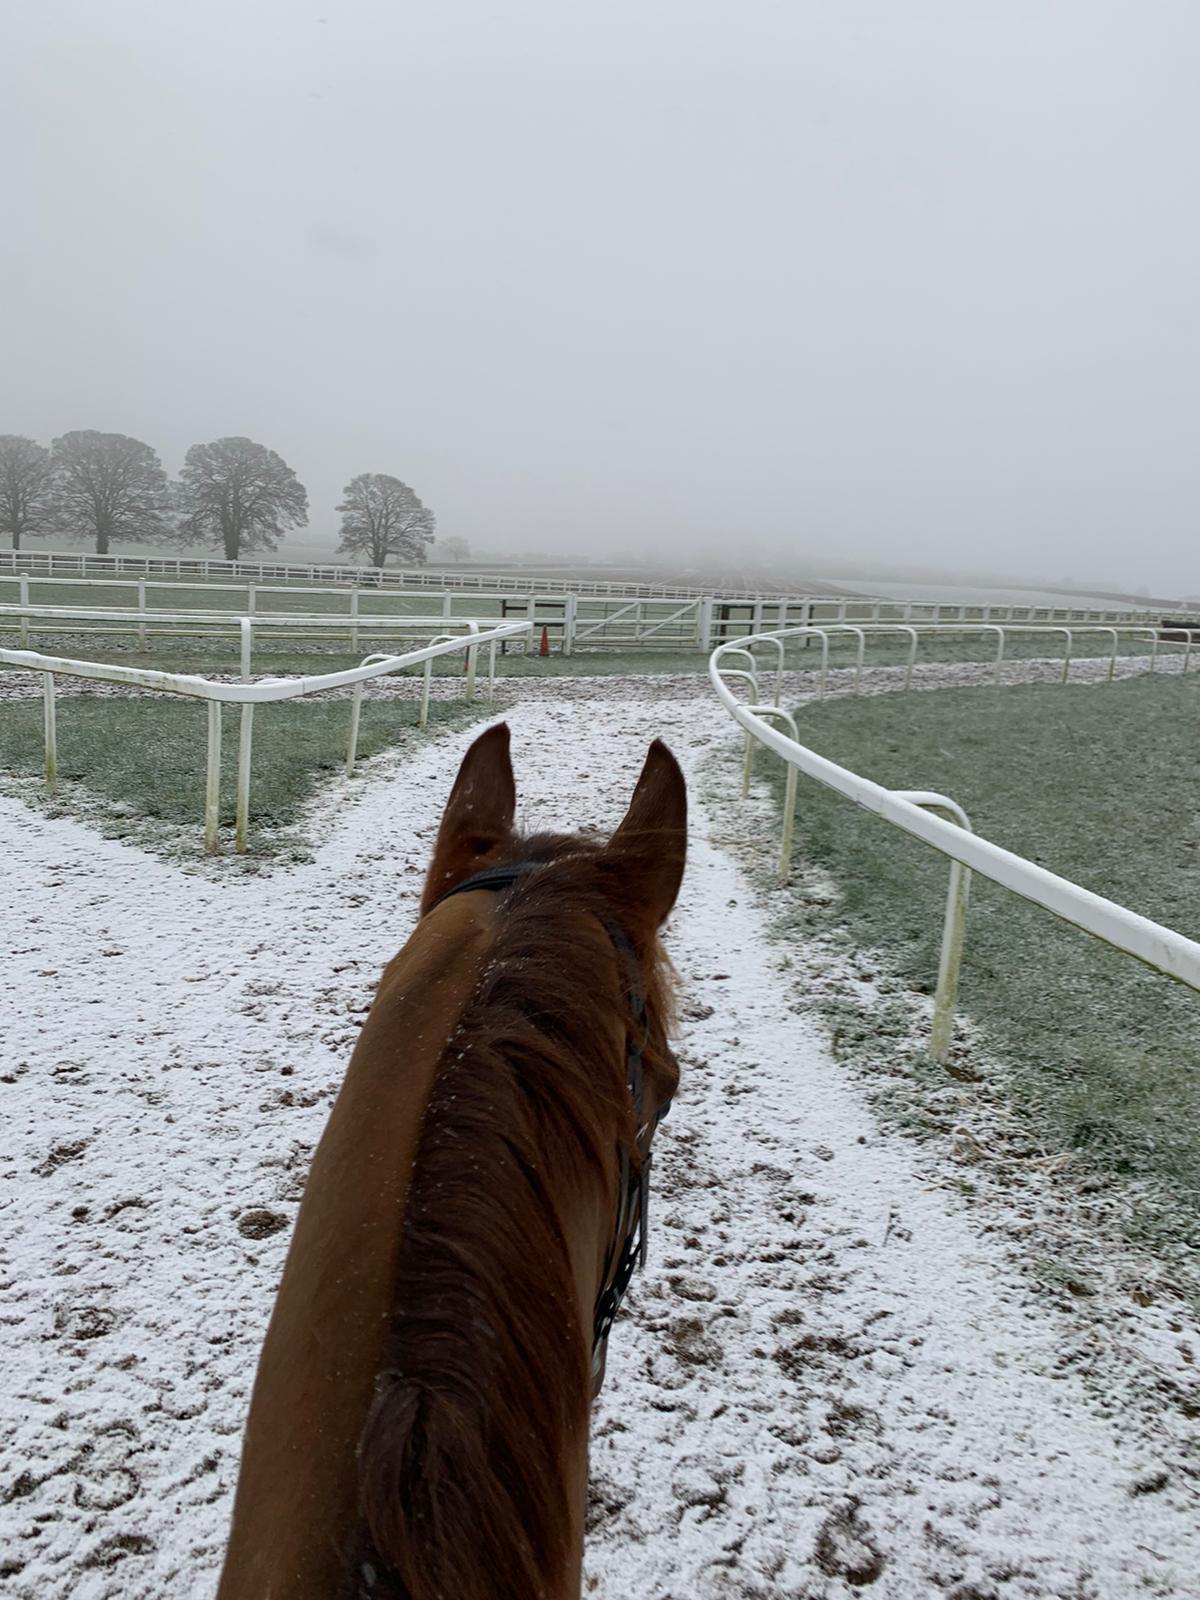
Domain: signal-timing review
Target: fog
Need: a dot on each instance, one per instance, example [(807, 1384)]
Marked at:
[(826, 283)]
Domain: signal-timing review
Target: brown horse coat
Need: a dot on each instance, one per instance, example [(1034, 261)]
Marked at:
[(418, 1425)]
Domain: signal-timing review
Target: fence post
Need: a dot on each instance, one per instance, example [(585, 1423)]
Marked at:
[(141, 589), (212, 785), (789, 822), (354, 623), (23, 599), (953, 928), (704, 623), (569, 612), (355, 712), (50, 724), (245, 736), (953, 931), (423, 720), (469, 693), (246, 628)]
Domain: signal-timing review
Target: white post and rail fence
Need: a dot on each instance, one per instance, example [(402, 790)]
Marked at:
[(146, 596), (246, 695), (941, 823)]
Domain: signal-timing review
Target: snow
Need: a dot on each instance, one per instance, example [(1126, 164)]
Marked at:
[(833, 1377)]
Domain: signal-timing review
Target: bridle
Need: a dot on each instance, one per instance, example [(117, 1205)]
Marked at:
[(627, 1248)]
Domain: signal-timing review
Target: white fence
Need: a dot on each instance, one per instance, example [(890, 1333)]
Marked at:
[(940, 822), (80, 621), (268, 690), (585, 619)]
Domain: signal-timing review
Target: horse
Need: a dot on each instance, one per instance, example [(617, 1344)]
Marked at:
[(418, 1425)]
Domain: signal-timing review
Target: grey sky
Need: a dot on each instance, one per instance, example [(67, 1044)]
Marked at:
[(896, 279)]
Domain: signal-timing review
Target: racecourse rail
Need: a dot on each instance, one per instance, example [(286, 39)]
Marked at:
[(371, 601), (84, 564), (268, 690), (940, 822)]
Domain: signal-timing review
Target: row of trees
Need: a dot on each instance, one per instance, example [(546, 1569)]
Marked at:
[(233, 494)]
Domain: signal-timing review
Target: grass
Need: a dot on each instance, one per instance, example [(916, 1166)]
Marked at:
[(1100, 785), (145, 759)]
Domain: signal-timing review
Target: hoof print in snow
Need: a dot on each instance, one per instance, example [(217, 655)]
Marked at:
[(688, 1288), (21, 1486), (261, 1223), (59, 1155), (116, 1549), (105, 1481), (84, 1322), (700, 1484), (606, 1501), (688, 1341), (1150, 1483), (844, 1549)]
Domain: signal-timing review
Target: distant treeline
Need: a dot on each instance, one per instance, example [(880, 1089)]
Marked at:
[(232, 494)]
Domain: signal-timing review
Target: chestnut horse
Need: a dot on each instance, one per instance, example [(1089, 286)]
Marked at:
[(419, 1421)]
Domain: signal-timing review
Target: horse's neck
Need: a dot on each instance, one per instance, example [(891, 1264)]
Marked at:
[(296, 1495)]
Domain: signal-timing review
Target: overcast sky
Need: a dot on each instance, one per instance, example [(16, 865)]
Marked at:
[(913, 279)]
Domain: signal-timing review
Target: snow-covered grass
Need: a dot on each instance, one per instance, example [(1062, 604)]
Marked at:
[(1098, 784), (133, 760), (837, 1375)]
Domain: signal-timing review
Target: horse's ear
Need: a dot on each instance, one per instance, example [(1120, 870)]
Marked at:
[(479, 814), (649, 847)]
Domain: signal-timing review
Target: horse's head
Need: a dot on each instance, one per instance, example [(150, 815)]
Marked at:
[(623, 889), (636, 873)]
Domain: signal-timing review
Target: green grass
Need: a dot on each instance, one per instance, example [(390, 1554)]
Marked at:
[(1098, 784), (147, 757)]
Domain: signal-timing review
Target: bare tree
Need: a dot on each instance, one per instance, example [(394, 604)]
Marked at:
[(382, 517), (456, 549), (109, 487), (238, 494), (26, 501)]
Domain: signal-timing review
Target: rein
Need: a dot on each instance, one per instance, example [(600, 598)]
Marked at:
[(628, 1246)]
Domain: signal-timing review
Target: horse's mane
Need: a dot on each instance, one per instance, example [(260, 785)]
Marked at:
[(486, 1382)]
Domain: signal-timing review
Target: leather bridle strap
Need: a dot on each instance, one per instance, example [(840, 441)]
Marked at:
[(495, 878)]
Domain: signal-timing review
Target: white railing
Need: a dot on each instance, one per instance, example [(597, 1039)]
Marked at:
[(84, 562), (615, 622), (77, 620), (601, 613), (999, 631), (940, 822), (266, 691)]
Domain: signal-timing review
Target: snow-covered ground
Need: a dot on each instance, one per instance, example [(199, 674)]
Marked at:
[(833, 1377)]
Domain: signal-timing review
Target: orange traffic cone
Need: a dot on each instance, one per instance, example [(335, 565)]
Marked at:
[(544, 647)]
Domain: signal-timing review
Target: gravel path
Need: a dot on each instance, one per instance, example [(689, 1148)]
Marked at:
[(831, 1380)]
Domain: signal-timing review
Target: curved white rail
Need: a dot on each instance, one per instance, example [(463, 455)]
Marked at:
[(1159, 947), (266, 691)]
